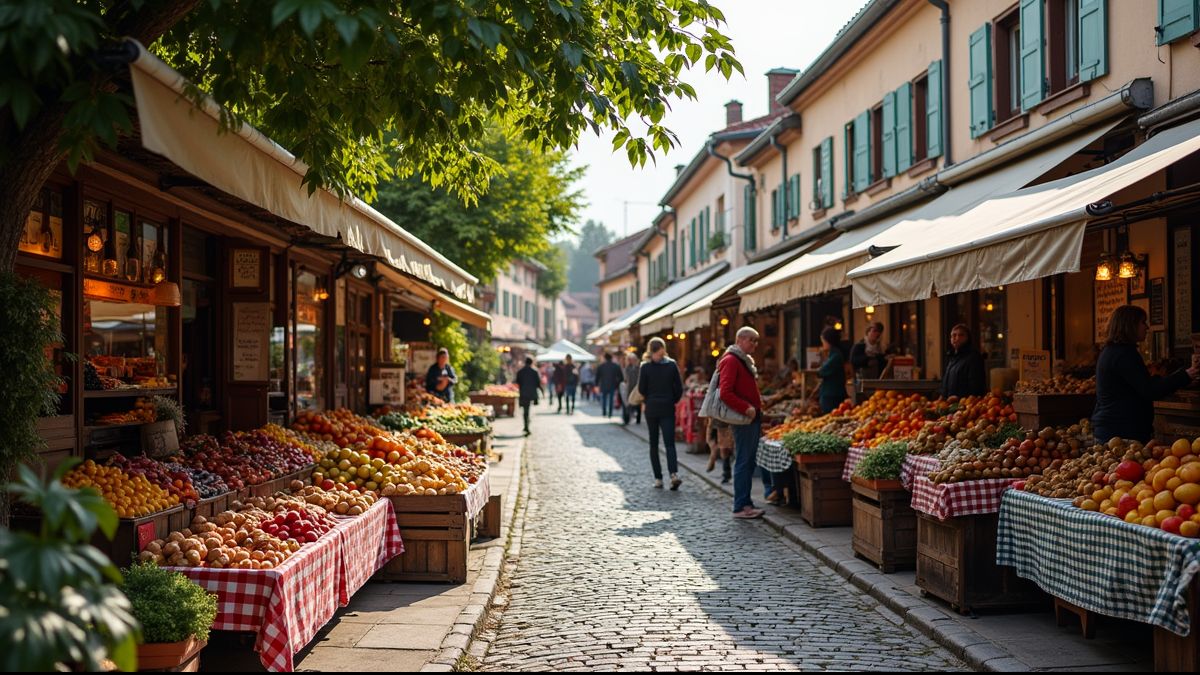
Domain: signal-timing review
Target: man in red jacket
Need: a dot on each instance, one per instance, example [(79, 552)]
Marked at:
[(739, 390)]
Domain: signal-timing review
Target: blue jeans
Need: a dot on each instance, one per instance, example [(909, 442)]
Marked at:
[(667, 425), (606, 402), (745, 448)]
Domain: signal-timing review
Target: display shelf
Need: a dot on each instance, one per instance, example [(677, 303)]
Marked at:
[(89, 428), (125, 393)]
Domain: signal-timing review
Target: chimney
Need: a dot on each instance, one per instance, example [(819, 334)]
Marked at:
[(777, 79), (733, 113)]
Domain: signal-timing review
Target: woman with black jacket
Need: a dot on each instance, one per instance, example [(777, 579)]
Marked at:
[(661, 388), (1125, 391), (964, 372)]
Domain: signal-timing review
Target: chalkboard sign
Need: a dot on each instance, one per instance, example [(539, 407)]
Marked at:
[(1157, 303), (1109, 296), (1181, 253), (251, 341)]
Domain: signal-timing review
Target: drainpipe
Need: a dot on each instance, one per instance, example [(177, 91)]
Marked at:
[(947, 159), (712, 152), (782, 153)]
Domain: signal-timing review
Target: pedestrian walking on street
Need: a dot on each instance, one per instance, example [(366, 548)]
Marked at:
[(633, 366), (739, 390), (529, 385), (572, 383), (587, 380), (560, 383), (661, 388), (608, 377)]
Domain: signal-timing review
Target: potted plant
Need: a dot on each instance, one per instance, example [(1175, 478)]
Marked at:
[(175, 612), (717, 241), (880, 468), (815, 447), (58, 593)]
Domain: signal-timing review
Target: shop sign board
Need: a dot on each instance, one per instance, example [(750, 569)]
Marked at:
[(1181, 246), (245, 268), (812, 358), (387, 388), (98, 289), (1109, 296), (251, 341), (1034, 365), (1157, 303), (904, 368), (420, 360)]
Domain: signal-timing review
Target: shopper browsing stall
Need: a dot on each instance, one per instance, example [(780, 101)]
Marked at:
[(1125, 390), (608, 377), (441, 378), (965, 375)]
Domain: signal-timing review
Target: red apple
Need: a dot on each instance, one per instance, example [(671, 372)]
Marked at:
[(1172, 524), (1130, 470), (1185, 511), (1126, 504)]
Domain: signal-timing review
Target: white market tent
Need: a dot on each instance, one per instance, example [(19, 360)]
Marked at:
[(561, 349)]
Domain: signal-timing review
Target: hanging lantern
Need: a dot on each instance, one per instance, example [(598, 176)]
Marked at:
[(1104, 270), (870, 309), (1128, 266)]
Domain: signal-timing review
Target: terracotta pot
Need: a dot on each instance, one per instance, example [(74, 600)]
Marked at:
[(821, 459), (169, 655), (879, 484)]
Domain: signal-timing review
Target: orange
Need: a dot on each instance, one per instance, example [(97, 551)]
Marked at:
[(1189, 528), (1163, 515), (1181, 447), (1161, 477), (1174, 483), (1170, 462), (1189, 473), (1196, 446), (1146, 507), (1188, 493), (1134, 516), (1164, 500), (1150, 521)]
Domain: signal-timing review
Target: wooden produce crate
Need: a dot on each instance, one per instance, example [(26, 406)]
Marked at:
[(1036, 411), (478, 443), (504, 406), (956, 562), (124, 546), (274, 485), (885, 525), (1173, 653), (1177, 416), (824, 496), (437, 536)]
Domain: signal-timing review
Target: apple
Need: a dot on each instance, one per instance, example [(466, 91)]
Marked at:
[(1185, 511), (1171, 524), (1130, 470), (1126, 504)]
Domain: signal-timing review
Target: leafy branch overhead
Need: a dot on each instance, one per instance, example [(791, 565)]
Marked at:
[(366, 90)]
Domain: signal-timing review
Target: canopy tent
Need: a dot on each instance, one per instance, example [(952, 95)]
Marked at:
[(1026, 234), (554, 355), (827, 267)]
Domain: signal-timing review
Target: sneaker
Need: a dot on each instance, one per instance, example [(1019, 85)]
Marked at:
[(676, 481), (658, 483), (749, 513)]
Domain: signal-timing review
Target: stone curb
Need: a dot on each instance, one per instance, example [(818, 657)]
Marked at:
[(978, 652), (473, 616)]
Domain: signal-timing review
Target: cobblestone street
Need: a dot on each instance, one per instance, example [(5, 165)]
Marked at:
[(614, 574)]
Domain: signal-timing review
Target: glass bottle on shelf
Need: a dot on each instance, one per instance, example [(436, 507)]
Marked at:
[(133, 260)]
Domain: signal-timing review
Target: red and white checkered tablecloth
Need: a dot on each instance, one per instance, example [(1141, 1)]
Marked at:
[(950, 500), (853, 457), (286, 606), (917, 465), (478, 495), (364, 552)]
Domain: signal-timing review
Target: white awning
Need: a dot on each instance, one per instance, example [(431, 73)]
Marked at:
[(252, 167), (445, 303), (827, 267), (695, 309), (656, 302), (1025, 234)]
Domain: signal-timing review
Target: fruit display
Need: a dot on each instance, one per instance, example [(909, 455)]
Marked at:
[(144, 412), (338, 498), (1020, 457), (294, 439), (339, 426), (460, 411), (1162, 491), (232, 539), (405, 465), (500, 390), (969, 420), (1060, 384), (1087, 473), (266, 453), (176, 482), (130, 496), (207, 484), (398, 421)]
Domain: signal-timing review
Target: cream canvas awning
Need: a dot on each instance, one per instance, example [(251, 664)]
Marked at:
[(654, 303), (1021, 235), (827, 267), (252, 167), (695, 310), (446, 304)]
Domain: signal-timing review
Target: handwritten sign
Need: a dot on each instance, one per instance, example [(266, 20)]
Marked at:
[(388, 387), (98, 289), (145, 535), (1109, 296), (160, 439), (1181, 246), (1157, 303), (420, 360), (245, 268), (251, 341), (1034, 365), (904, 368)]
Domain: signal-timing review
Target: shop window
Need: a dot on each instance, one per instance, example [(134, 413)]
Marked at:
[(43, 233), (1007, 40), (308, 329), (985, 313), (1062, 44), (57, 353), (906, 333), (877, 127)]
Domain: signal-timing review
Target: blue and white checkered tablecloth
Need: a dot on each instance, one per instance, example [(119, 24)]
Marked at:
[(1098, 562), (772, 456)]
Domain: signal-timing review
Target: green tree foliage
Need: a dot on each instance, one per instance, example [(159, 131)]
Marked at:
[(584, 269), (59, 601), (553, 280), (484, 363), (530, 198), (361, 90)]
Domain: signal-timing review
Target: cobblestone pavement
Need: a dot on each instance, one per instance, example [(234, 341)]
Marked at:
[(614, 574)]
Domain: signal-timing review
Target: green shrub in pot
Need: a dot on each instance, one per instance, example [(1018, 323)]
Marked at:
[(812, 443), (170, 606), (883, 462)]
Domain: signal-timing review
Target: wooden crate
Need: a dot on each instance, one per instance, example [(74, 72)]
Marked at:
[(1173, 653), (472, 442), (824, 496), (956, 562), (885, 525), (123, 548), (1036, 411), (437, 537), (503, 406), (488, 523)]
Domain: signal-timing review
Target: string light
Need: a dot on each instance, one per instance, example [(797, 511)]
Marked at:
[(716, 352), (683, 336)]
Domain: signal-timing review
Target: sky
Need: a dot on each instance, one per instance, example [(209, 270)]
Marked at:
[(626, 199)]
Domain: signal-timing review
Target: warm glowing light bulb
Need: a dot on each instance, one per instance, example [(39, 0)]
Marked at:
[(838, 325), (990, 307), (716, 352), (1127, 269), (426, 321), (683, 336), (724, 321), (870, 309)]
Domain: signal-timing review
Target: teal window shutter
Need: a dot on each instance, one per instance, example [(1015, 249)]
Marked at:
[(862, 151), (1176, 18), (794, 196), (1033, 62), (980, 82), (1093, 39), (692, 242), (904, 127), (933, 110), (889, 135), (750, 241), (674, 260), (848, 154), (707, 231), (827, 172)]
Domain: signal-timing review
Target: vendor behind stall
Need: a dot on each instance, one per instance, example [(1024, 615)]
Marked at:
[(869, 356), (441, 378), (965, 374), (1125, 391)]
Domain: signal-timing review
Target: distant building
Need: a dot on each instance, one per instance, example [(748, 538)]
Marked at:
[(581, 314)]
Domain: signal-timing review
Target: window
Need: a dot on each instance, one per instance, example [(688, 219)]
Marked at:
[(876, 136), (822, 175), (985, 313), (692, 242), (1008, 66), (907, 326), (1062, 47), (505, 312), (858, 154), (309, 329), (920, 130), (749, 218), (774, 210)]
